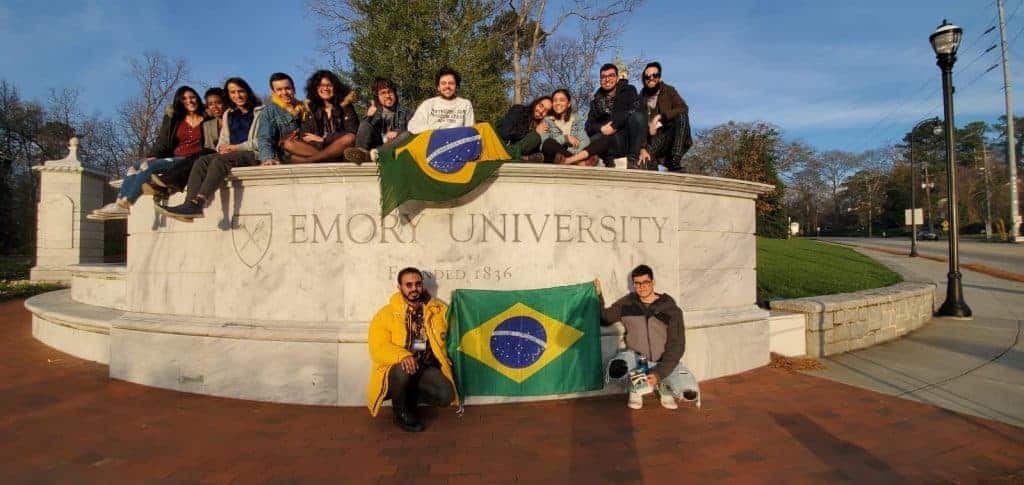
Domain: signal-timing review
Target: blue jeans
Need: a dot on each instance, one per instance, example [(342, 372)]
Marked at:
[(131, 186), (679, 383)]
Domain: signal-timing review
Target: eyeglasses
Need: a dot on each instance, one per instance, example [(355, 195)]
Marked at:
[(639, 284), (609, 76), (648, 77)]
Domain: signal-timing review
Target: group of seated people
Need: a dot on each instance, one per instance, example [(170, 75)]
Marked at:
[(201, 139)]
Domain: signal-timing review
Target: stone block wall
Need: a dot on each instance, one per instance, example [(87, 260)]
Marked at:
[(850, 321)]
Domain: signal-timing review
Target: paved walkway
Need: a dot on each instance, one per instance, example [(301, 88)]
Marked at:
[(974, 367), (63, 420)]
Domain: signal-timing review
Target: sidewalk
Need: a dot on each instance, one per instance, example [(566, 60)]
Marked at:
[(63, 420), (974, 367)]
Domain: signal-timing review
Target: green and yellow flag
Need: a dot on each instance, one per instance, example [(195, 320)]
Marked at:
[(525, 343), (439, 165)]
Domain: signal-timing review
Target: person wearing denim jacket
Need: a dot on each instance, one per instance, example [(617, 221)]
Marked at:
[(281, 120), (560, 142)]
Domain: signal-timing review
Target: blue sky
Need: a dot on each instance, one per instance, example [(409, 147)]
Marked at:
[(835, 74)]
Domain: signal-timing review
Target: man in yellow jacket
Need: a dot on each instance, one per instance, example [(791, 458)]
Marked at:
[(407, 346)]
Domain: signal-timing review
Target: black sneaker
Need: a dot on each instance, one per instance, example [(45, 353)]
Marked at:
[(185, 212)]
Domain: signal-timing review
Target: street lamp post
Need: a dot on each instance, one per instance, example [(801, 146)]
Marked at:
[(928, 184), (988, 192), (913, 187), (945, 41)]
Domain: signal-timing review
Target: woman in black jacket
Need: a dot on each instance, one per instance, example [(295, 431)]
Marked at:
[(522, 128), (179, 138), (331, 124)]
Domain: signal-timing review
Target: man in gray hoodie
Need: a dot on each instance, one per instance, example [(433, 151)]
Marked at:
[(654, 333)]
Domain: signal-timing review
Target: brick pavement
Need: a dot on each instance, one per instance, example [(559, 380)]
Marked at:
[(63, 420)]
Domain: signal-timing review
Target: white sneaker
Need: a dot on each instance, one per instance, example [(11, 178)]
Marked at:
[(108, 212), (374, 155), (636, 400), (668, 401)]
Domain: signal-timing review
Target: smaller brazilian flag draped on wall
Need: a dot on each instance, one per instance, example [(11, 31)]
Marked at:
[(525, 343), (439, 165)]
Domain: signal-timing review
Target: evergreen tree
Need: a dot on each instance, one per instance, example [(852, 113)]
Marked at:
[(409, 40)]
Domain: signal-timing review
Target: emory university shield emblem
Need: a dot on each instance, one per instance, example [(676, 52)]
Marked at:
[(250, 235)]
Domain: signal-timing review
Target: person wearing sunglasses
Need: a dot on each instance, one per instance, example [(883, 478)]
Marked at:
[(668, 120)]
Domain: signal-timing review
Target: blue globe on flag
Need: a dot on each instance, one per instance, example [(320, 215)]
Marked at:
[(451, 149), (518, 342)]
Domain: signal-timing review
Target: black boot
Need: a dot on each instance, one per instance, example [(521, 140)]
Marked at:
[(405, 416)]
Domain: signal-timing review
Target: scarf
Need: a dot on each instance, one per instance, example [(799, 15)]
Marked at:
[(296, 109)]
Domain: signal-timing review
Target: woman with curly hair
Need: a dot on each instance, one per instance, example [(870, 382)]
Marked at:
[(330, 124)]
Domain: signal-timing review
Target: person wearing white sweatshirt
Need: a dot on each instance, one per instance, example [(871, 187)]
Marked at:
[(445, 110)]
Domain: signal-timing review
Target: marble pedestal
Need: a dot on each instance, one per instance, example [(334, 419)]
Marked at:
[(64, 237), (269, 296)]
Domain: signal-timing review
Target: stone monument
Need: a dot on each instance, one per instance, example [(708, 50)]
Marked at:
[(269, 296), (64, 237)]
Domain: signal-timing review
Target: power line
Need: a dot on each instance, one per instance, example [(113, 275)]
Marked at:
[(916, 99), (913, 103)]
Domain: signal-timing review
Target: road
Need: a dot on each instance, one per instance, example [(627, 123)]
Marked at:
[(1007, 257)]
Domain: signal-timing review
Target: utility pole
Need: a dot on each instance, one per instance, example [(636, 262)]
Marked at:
[(927, 185), (988, 191), (1011, 142)]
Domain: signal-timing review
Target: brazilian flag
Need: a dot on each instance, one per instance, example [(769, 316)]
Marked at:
[(439, 165), (525, 343)]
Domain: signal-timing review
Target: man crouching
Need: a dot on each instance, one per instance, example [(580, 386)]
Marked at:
[(407, 348), (655, 340)]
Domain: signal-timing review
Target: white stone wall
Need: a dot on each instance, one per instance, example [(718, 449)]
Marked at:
[(312, 236)]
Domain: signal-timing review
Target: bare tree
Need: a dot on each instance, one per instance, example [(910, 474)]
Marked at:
[(803, 195), (527, 28), (139, 116), (869, 182), (103, 145), (64, 106), (568, 63), (836, 166)]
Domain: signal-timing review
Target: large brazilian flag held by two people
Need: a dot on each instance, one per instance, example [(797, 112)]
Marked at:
[(525, 343), (440, 165)]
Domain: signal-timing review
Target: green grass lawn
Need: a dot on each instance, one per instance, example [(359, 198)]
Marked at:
[(14, 281), (794, 268)]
